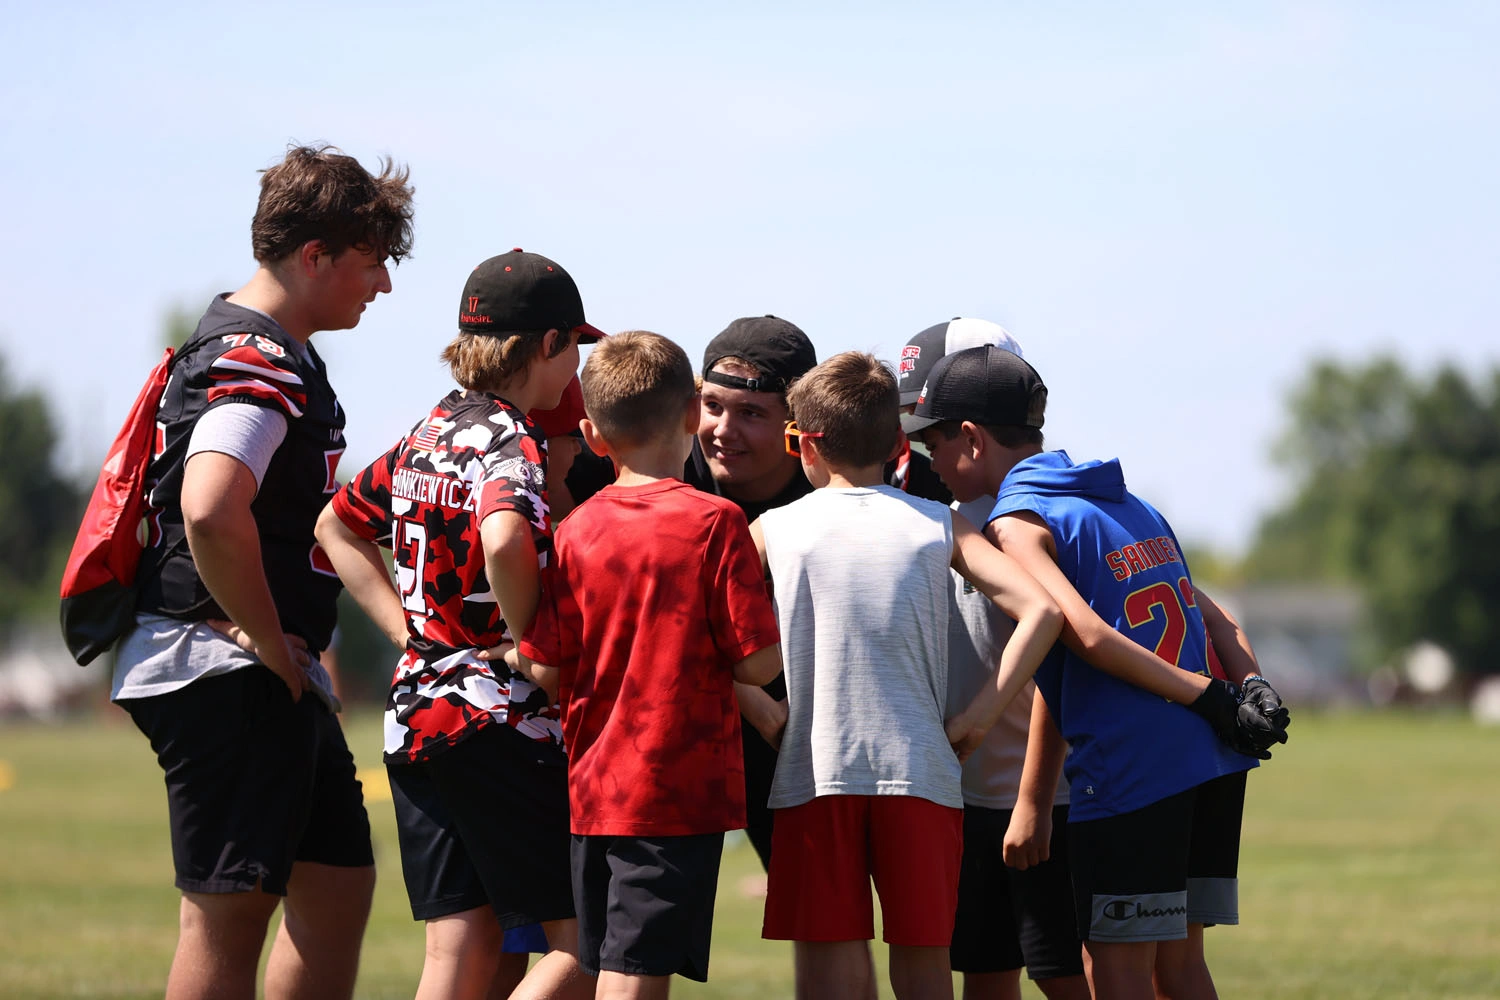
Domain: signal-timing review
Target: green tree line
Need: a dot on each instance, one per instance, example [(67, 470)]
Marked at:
[(39, 505), (1397, 493)]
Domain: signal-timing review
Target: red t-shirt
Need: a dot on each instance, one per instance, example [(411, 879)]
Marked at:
[(655, 592)]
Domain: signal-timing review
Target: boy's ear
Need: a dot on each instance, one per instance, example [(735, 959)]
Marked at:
[(549, 343), (974, 437), (692, 416), (591, 437), (309, 254), (899, 446)]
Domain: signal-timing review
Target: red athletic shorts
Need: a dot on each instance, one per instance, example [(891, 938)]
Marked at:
[(824, 853)]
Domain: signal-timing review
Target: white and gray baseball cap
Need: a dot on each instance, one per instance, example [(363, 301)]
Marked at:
[(932, 344)]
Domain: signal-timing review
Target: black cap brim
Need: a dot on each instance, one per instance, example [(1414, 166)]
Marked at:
[(912, 424)]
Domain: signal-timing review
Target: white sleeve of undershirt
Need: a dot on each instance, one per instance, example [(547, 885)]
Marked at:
[(242, 431)]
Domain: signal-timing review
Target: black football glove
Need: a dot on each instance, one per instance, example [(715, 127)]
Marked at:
[(1219, 706), (1262, 717), (1258, 691)]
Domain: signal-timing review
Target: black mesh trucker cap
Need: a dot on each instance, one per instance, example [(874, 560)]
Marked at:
[(988, 386)]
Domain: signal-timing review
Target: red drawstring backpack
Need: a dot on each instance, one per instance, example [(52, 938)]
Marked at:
[(98, 585)]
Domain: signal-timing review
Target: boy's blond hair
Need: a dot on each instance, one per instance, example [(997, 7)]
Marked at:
[(636, 386), (852, 402), (487, 361)]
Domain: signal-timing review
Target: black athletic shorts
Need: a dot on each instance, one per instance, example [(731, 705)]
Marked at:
[(486, 822), (760, 772), (1145, 875), (255, 782), (1009, 918), (646, 905)]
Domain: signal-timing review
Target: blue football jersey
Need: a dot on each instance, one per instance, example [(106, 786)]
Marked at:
[(1129, 747)]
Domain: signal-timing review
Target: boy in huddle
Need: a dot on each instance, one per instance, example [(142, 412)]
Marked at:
[(868, 782), (1015, 904), (655, 606), (1153, 830), (474, 751), (1014, 892)]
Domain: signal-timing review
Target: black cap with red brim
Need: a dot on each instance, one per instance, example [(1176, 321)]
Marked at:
[(520, 292)]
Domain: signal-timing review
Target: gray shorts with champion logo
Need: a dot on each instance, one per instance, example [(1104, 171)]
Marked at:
[(1146, 875)]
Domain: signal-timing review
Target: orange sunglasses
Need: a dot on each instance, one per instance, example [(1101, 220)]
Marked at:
[(794, 436)]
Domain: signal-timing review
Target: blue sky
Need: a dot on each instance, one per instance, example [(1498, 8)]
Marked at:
[(1173, 208)]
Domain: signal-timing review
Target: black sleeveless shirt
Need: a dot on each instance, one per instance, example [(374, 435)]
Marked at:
[(237, 355)]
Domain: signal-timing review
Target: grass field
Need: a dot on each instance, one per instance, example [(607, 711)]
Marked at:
[(1371, 869)]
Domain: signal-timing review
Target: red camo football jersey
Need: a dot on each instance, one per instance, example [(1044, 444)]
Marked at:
[(474, 454), (656, 591)]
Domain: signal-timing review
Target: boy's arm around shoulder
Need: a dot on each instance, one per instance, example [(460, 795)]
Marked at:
[(1038, 623), (1025, 536)]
